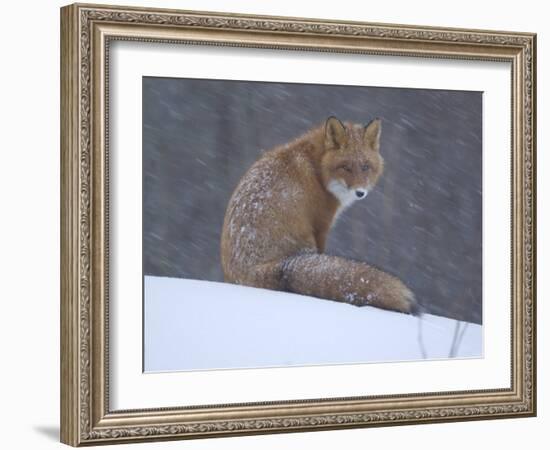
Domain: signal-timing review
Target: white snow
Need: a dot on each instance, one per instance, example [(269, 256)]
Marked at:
[(199, 325)]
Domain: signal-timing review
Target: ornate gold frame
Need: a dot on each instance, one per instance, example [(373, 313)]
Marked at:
[(86, 31)]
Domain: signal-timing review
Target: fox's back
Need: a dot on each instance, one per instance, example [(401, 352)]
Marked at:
[(267, 215)]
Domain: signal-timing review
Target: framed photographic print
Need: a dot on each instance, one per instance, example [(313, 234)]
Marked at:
[(275, 224)]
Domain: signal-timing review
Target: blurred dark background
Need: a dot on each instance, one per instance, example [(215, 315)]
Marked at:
[(422, 222)]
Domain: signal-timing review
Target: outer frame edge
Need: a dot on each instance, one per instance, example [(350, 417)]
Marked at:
[(69, 382)]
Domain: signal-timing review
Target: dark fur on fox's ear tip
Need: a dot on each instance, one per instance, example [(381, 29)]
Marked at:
[(375, 120), (333, 119)]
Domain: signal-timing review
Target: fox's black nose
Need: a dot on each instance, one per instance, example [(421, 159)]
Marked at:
[(360, 193)]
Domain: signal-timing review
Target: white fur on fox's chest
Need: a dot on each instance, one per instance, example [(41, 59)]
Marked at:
[(344, 196)]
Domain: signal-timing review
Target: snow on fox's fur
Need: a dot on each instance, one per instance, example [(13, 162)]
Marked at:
[(279, 216)]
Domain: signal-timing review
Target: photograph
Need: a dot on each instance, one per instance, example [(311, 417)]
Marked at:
[(290, 224)]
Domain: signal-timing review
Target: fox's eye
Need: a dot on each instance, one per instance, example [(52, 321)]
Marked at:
[(365, 167), (346, 168)]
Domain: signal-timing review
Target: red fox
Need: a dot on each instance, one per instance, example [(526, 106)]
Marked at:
[(278, 218)]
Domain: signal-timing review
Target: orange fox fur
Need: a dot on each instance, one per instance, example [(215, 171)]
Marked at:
[(279, 216)]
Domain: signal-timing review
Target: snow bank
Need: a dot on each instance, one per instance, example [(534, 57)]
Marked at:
[(197, 325)]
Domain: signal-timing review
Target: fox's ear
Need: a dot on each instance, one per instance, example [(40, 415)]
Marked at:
[(335, 133), (372, 134)]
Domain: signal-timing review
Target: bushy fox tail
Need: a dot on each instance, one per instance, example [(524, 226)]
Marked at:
[(345, 280)]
